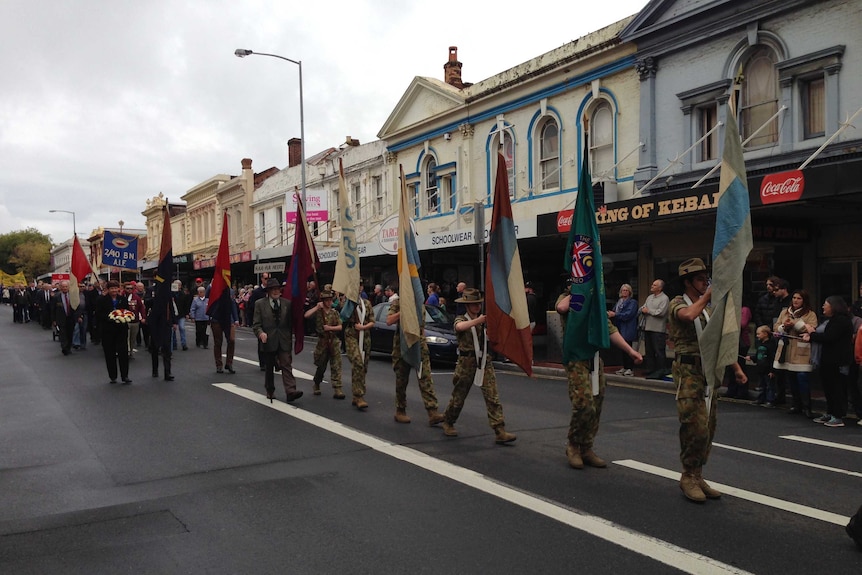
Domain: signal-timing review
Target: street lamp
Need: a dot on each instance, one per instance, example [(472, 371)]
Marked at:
[(241, 53), (74, 230)]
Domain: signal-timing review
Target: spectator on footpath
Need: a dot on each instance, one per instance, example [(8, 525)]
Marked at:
[(198, 314), (654, 314)]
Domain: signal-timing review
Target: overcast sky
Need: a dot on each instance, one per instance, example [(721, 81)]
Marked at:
[(107, 103)]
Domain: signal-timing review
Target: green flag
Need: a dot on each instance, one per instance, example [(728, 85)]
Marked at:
[(587, 321)]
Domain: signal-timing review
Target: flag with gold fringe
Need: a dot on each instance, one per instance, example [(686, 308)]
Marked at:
[(347, 276), (159, 319), (412, 300), (303, 264), (220, 307)]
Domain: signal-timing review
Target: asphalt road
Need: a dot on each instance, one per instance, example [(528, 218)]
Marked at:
[(204, 475)]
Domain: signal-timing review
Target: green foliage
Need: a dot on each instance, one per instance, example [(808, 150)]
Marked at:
[(25, 250)]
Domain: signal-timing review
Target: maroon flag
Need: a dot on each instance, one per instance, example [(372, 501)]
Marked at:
[(508, 320), (302, 265), (160, 318), (220, 306)]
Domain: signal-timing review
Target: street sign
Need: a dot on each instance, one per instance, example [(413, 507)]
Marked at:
[(272, 267)]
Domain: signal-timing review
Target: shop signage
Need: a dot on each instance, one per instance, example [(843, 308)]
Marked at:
[(782, 187), (271, 268), (387, 237), (651, 209), (183, 259), (316, 206)]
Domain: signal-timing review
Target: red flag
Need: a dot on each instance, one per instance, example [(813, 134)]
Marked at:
[(220, 306), (508, 320), (303, 262), (79, 270)]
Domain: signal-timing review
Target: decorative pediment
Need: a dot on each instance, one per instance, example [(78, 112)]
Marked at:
[(425, 98)]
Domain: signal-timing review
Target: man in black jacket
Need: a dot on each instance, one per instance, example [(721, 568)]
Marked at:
[(257, 293)]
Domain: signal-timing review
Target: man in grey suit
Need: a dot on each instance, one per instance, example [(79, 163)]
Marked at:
[(274, 331)]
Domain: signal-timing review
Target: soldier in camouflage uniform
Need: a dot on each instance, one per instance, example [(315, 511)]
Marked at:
[(359, 326), (328, 349), (402, 372), (687, 316), (586, 407), (467, 327)]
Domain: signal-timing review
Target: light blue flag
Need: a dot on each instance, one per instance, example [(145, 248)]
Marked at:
[(719, 343)]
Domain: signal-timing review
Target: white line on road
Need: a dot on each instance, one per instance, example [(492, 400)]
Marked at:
[(820, 442), (297, 373), (743, 494), (788, 460), (662, 551)]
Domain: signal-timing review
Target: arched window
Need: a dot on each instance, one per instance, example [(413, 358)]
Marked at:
[(549, 156), (759, 97), (602, 141), (432, 196)]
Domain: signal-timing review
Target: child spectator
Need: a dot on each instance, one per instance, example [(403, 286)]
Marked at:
[(765, 353)]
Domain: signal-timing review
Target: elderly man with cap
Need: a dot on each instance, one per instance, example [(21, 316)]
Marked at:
[(327, 325), (688, 315), (273, 326), (473, 355)]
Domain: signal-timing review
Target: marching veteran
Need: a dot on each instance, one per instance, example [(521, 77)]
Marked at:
[(473, 355), (586, 398), (688, 314), (274, 330)]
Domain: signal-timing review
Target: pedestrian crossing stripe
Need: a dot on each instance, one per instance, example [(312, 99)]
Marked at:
[(823, 443), (789, 460)]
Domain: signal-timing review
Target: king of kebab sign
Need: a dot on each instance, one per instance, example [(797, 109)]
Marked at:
[(775, 188)]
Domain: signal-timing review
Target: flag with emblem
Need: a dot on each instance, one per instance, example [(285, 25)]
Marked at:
[(412, 300), (220, 307), (587, 320), (719, 342), (508, 320), (346, 279)]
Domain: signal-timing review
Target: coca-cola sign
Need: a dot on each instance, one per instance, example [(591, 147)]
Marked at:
[(782, 187), (564, 220)]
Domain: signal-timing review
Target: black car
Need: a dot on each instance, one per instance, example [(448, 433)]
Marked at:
[(439, 333)]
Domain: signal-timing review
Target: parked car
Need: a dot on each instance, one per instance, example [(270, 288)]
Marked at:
[(439, 333)]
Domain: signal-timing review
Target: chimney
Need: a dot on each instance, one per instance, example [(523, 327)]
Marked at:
[(294, 152), (452, 69), (351, 141), (246, 164)]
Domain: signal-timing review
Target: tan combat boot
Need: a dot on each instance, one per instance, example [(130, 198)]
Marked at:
[(337, 393), (691, 487), (704, 486), (590, 458), (316, 388), (435, 417), (573, 454), (449, 430), (503, 436), (401, 416), (359, 402)]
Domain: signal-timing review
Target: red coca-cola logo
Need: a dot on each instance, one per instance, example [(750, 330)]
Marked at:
[(782, 187), (564, 220)]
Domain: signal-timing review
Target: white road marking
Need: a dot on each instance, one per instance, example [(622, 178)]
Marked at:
[(662, 551), (297, 373), (743, 494), (788, 460), (822, 443)]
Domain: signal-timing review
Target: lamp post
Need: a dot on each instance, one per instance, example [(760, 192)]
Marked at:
[(74, 229), (241, 53)]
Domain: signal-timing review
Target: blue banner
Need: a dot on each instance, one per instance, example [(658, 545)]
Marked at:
[(120, 251)]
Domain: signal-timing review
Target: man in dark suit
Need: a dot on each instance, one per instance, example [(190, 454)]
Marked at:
[(45, 310), (274, 330), (258, 293), (64, 316)]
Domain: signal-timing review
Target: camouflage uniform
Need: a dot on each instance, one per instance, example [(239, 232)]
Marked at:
[(402, 369), (465, 370), (696, 428), (328, 348), (358, 362), (586, 407)]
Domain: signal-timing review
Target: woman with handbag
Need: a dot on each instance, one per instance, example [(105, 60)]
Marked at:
[(835, 335), (793, 356)]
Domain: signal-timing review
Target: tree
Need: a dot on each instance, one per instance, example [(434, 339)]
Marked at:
[(25, 250)]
